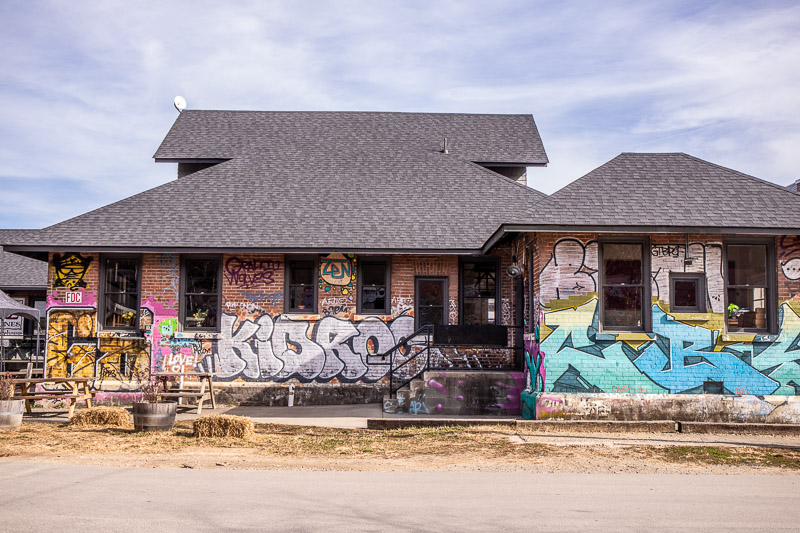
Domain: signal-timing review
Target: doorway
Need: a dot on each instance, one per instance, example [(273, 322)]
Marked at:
[(430, 301)]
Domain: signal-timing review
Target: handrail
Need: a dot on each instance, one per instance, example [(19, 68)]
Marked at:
[(426, 330)]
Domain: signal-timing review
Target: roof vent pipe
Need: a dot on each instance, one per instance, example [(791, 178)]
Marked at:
[(444, 150)]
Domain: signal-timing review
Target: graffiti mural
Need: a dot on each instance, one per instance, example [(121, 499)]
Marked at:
[(677, 357), (70, 270), (169, 267), (337, 271), (535, 373), (250, 273), (266, 348), (789, 258), (571, 270), (703, 257)]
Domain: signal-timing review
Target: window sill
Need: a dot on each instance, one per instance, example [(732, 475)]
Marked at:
[(753, 336), (633, 336)]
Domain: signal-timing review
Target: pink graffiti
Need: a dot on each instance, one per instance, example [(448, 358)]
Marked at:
[(88, 299), (160, 313), (438, 386)]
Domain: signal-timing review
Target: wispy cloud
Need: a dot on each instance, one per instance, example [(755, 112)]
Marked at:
[(86, 88)]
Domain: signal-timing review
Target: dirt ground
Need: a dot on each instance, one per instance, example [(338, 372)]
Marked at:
[(482, 448)]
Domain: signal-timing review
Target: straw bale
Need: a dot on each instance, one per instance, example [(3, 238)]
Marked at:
[(101, 416), (240, 427)]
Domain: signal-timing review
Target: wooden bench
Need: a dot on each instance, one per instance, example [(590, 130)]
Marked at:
[(198, 395), (73, 392)]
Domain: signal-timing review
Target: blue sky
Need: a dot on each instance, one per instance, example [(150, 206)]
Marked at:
[(86, 88)]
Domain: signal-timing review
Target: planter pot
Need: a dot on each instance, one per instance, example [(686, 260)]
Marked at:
[(154, 416), (11, 414)]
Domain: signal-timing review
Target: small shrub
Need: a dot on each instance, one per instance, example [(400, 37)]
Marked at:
[(101, 416), (239, 427)]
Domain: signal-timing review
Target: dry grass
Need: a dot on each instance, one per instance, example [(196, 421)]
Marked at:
[(102, 416), (476, 447), (225, 426)]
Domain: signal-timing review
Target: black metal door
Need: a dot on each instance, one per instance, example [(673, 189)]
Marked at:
[(430, 301)]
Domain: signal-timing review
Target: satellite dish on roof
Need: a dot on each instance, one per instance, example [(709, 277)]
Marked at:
[(180, 103)]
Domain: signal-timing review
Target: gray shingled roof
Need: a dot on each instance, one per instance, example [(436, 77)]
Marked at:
[(286, 137), (18, 272), (322, 181), (669, 190)]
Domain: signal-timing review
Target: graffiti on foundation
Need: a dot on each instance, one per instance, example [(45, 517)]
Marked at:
[(249, 273), (70, 269), (280, 348), (337, 273)]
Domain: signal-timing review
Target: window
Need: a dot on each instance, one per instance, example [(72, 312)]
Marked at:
[(749, 285), (200, 293), (479, 291), (687, 292), (120, 300), (301, 286), (625, 286), (374, 293)]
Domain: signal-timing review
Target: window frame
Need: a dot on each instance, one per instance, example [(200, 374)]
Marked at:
[(647, 277), (374, 260), (287, 283), (101, 305), (182, 303), (445, 280), (771, 289), (700, 277), (497, 282)]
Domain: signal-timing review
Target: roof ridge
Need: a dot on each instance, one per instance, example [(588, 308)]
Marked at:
[(352, 112)]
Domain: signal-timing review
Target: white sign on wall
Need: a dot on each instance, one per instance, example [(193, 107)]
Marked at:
[(13, 326), (73, 297)]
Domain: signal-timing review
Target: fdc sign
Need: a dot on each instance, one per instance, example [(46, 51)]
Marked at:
[(73, 297)]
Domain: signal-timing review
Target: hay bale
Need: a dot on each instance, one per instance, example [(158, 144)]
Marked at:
[(240, 427), (101, 416)]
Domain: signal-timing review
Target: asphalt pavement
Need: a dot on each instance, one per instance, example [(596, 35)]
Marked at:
[(48, 497)]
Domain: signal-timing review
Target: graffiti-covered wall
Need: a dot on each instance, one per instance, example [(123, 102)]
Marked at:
[(256, 340), (683, 350)]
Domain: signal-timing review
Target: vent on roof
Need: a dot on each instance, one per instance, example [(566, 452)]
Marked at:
[(444, 149)]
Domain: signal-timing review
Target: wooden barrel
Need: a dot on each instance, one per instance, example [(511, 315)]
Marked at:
[(154, 416), (11, 414)]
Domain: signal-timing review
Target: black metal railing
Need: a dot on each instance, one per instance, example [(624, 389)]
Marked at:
[(410, 350)]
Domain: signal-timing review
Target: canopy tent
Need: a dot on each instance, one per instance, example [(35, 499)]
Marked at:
[(8, 308)]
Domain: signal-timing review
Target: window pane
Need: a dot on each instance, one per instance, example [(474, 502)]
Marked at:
[(201, 311), (302, 273), (373, 298), (747, 308), (120, 309), (623, 264), (747, 264), (685, 294), (479, 280), (121, 275), (431, 315), (373, 273), (201, 276), (478, 311), (301, 297), (622, 307), (431, 293)]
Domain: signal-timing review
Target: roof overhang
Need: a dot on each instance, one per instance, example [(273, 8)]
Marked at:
[(38, 251), (542, 228)]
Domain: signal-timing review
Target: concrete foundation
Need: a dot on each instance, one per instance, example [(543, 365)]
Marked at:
[(313, 394), (461, 393), (684, 407)]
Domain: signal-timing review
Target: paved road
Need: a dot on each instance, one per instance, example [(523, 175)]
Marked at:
[(46, 497)]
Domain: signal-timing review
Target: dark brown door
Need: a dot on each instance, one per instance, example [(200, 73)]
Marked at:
[(430, 301)]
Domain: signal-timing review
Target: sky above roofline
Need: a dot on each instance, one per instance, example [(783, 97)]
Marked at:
[(86, 89)]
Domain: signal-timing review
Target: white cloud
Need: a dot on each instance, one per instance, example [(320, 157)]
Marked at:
[(86, 88)]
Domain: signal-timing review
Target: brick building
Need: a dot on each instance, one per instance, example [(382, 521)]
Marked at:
[(313, 249)]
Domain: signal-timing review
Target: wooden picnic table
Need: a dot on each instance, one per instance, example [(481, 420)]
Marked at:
[(27, 372), (181, 392), (72, 392)]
